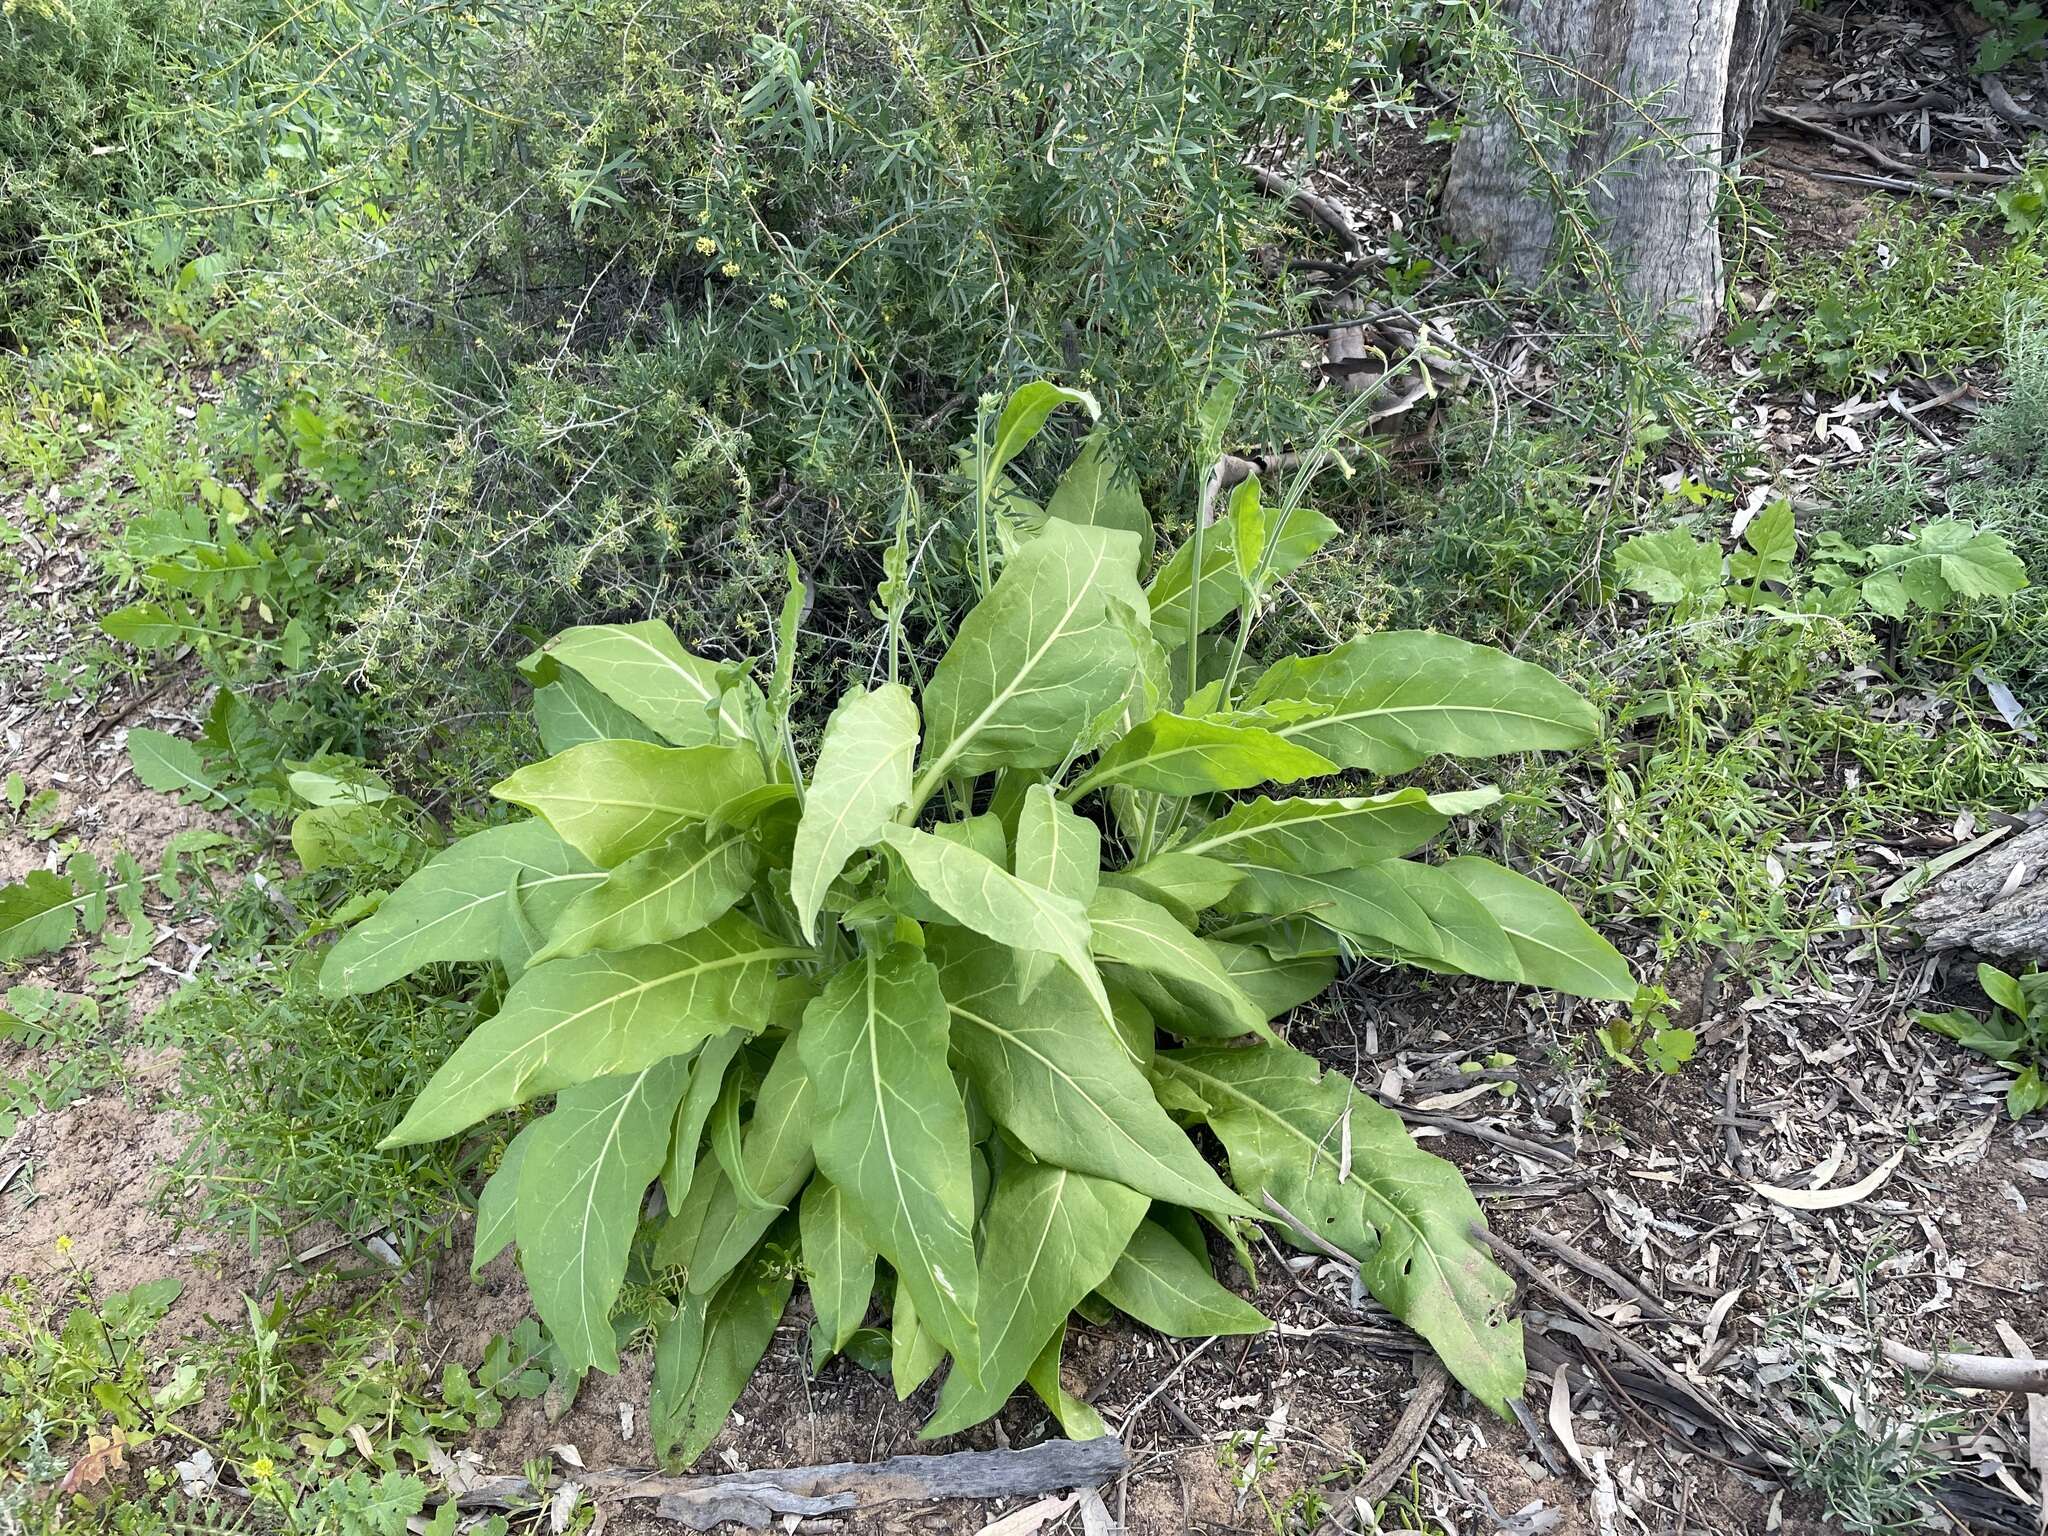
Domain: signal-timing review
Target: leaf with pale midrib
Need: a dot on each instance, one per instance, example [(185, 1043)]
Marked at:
[(861, 781)]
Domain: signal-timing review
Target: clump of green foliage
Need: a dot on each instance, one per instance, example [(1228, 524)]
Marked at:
[(904, 1001), (2015, 1034)]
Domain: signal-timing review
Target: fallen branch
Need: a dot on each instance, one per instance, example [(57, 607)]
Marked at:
[(756, 1499), (1992, 1373), (1404, 1440), (1327, 213), (1876, 156)]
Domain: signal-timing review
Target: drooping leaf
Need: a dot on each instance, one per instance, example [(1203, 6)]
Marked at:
[(1164, 1286), (861, 782), (644, 669), (1097, 492), (1309, 836), (1278, 986), (1404, 1215), (1077, 1420), (706, 1353), (1037, 660), (599, 1015), (914, 1350), (839, 1263), (665, 893), (38, 914), (1304, 533), (580, 1187), (777, 1160), (1185, 883), (1132, 931), (1363, 904), (1050, 1237), (1179, 755), (1553, 944), (570, 711), (891, 1129), (497, 1204), (1051, 1074), (1387, 702), (1465, 937), (612, 799), (454, 908), (1024, 416), (981, 895)]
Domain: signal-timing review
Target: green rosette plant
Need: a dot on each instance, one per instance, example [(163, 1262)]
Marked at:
[(950, 995)]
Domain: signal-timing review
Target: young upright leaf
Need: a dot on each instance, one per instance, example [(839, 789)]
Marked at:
[(707, 1081), (612, 799), (1096, 491), (861, 782), (1386, 702), (1037, 660), (1302, 535), (891, 1129), (454, 908), (776, 1159), (1057, 848), (704, 1355), (1024, 416), (839, 1262), (1182, 755), (1404, 1215), (1554, 946), (644, 669), (580, 1187), (1165, 1286), (1050, 1237), (1052, 1075), (664, 893), (597, 1015), (1309, 836), (979, 894)]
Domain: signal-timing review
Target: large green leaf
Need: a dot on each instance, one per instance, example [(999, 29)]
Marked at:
[(1185, 883), (1555, 947), (1406, 1216), (1037, 661), (1309, 835), (569, 1021), (777, 1161), (1277, 985), (38, 914), (455, 907), (1164, 1286), (612, 799), (1364, 904), (497, 1205), (1132, 931), (664, 893), (1059, 850), (1049, 1238), (1051, 1074), (580, 1187), (1303, 534), (1465, 937), (891, 1129), (862, 780), (1096, 491), (978, 893), (705, 1355), (570, 711), (644, 669), (1024, 416), (1388, 701), (1188, 755), (839, 1263)]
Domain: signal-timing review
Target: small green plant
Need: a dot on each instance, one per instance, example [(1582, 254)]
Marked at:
[(2015, 1035), (2018, 31), (903, 1001)]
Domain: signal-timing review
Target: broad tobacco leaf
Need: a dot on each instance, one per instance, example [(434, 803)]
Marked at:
[(581, 1182), (1163, 1285), (1096, 491), (612, 799), (570, 711), (839, 1265), (1387, 702), (891, 1130), (454, 908), (1183, 755), (1050, 1073), (1405, 1215), (644, 669), (705, 1354), (1553, 945), (1304, 533), (665, 893), (861, 782), (597, 1015), (1050, 1236), (1132, 931), (1309, 836), (1037, 660)]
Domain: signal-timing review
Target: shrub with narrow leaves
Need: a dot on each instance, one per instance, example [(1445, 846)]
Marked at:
[(950, 995)]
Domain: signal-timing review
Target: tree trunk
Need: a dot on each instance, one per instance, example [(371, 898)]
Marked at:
[(1660, 94)]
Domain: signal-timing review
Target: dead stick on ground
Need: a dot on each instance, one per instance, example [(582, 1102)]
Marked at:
[(1993, 1373), (1876, 156), (1404, 1440), (757, 1498)]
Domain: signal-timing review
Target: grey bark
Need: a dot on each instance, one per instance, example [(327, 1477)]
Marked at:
[(1985, 907), (1656, 93)]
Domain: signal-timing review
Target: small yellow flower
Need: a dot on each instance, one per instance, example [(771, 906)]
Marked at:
[(64, 1243), (731, 269), (777, 301), (262, 1469), (706, 246)]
